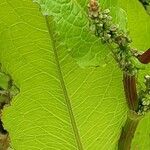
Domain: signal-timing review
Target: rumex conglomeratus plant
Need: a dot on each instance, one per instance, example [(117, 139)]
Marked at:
[(130, 62)]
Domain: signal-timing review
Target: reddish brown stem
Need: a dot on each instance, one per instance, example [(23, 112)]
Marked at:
[(130, 91), (145, 57), (133, 118)]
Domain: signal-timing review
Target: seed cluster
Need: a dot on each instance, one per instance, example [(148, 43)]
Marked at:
[(144, 97), (102, 25)]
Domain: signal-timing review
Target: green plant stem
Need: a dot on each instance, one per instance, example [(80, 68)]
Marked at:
[(128, 131)]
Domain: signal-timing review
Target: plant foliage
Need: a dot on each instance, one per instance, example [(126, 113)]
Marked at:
[(71, 93)]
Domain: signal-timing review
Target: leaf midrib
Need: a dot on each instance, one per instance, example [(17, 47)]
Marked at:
[(64, 89)]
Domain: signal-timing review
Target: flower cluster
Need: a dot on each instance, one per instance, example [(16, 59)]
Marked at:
[(102, 25), (144, 97)]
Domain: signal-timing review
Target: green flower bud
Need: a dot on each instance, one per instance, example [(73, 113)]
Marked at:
[(113, 28), (105, 16), (109, 18), (106, 11), (107, 36)]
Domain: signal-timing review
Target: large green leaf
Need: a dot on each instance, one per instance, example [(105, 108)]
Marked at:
[(63, 105), (39, 117)]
